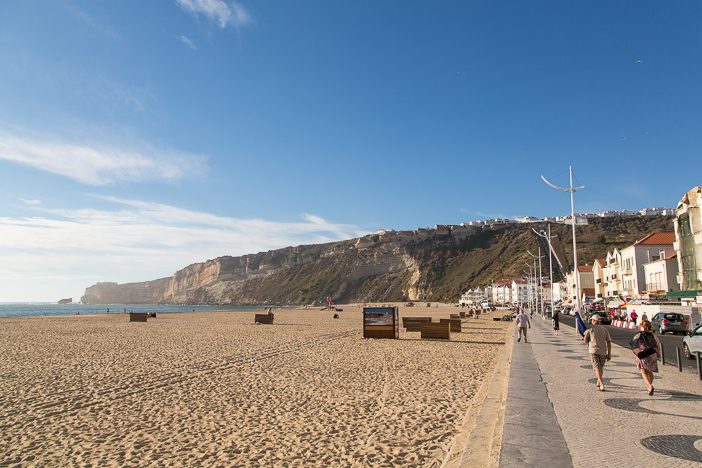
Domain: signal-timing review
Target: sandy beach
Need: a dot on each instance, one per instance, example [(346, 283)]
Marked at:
[(215, 389)]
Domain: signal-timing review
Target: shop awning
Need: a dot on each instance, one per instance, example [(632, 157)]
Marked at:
[(684, 293)]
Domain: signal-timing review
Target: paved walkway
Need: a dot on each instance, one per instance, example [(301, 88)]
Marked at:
[(555, 415)]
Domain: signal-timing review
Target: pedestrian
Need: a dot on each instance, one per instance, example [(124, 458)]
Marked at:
[(600, 348), (647, 348), (554, 320), (522, 324), (634, 316)]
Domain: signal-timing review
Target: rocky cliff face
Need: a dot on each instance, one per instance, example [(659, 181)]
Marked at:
[(425, 264)]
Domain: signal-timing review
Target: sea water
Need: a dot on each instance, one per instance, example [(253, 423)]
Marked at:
[(39, 308)]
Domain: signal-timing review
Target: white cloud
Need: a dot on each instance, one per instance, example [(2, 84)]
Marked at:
[(187, 41), (223, 13), (98, 165), (28, 201), (69, 249)]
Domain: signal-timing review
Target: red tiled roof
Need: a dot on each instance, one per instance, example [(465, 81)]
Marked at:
[(675, 254), (601, 261), (585, 268), (657, 238)]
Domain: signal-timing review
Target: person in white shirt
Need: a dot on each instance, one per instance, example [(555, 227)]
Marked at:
[(522, 324)]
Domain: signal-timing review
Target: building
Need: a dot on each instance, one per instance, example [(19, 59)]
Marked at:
[(502, 292), (560, 292), (586, 282), (661, 276), (633, 258), (474, 296), (599, 276), (520, 291), (688, 243), (613, 274)]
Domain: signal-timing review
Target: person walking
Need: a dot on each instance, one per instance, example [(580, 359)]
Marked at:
[(600, 348), (647, 348), (522, 324), (555, 321)]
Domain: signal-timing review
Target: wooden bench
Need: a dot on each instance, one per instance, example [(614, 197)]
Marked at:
[(414, 324), (462, 314), (455, 324), (455, 316), (263, 318), (138, 316), (436, 331)]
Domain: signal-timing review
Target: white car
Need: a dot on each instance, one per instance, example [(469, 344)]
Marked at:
[(692, 343)]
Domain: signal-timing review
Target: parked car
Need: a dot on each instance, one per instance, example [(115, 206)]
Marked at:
[(669, 322), (605, 319), (692, 343)]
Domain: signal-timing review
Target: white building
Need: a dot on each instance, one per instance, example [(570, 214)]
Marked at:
[(502, 292), (473, 297), (587, 283), (599, 276), (635, 256), (613, 274), (520, 291), (661, 275), (560, 291)]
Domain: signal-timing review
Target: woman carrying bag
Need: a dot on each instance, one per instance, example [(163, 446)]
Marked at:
[(646, 347)]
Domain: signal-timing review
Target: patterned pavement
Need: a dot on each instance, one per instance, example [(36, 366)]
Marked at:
[(620, 427)]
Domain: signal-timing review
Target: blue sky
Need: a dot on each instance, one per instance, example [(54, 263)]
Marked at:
[(138, 137)]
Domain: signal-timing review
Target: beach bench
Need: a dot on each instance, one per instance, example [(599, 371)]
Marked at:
[(454, 324), (455, 316), (138, 316), (414, 324), (436, 331), (462, 314), (263, 318)]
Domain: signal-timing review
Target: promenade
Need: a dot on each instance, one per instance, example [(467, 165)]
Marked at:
[(556, 416)]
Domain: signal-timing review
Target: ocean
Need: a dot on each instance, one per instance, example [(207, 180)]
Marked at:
[(39, 308)]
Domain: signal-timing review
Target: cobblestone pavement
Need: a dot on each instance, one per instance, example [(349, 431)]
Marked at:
[(622, 426)]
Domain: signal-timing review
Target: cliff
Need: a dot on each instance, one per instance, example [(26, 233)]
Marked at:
[(425, 264)]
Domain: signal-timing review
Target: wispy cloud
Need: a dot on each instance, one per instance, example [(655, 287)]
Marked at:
[(30, 201), (98, 164), (118, 94), (135, 240), (187, 41), (223, 13), (90, 21)]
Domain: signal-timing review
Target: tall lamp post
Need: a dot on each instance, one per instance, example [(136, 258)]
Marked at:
[(572, 191), (550, 257), (532, 277), (540, 290), (528, 273)]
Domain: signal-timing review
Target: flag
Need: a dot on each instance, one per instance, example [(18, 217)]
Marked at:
[(580, 325)]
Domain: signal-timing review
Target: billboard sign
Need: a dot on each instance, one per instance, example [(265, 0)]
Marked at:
[(381, 322)]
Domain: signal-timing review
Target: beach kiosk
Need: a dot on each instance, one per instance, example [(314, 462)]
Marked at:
[(381, 322)]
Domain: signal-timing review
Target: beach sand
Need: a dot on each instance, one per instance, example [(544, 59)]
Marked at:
[(213, 388)]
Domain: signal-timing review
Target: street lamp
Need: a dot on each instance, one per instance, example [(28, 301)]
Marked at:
[(540, 290), (530, 295), (528, 273), (572, 190), (550, 257)]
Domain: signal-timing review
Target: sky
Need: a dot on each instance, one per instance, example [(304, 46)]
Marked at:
[(139, 137)]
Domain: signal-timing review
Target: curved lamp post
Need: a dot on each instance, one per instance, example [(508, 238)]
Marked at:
[(572, 191)]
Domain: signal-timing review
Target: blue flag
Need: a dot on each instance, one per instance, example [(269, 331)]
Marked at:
[(580, 325)]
